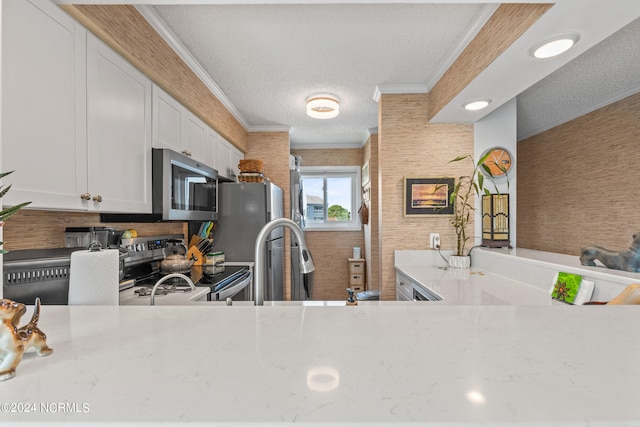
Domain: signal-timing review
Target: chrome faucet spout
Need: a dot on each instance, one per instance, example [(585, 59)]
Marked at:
[(167, 277), (306, 262)]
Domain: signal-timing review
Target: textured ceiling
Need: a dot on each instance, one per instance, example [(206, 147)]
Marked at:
[(606, 73), (265, 59), (269, 59)]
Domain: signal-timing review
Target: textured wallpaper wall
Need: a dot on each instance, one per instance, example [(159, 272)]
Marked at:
[(578, 182)]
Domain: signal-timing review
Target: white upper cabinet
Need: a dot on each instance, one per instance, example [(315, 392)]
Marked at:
[(223, 158), (180, 130), (177, 128), (195, 139), (236, 156), (43, 115), (167, 121), (76, 116), (118, 132), (227, 159), (211, 148)]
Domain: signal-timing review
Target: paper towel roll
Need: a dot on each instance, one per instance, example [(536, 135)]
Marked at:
[(94, 277)]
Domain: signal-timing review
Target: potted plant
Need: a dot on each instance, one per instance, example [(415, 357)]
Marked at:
[(7, 213), (461, 199)]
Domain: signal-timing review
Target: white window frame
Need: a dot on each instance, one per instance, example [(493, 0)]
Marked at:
[(336, 171)]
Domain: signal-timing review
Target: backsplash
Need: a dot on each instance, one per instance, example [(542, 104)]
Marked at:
[(34, 229)]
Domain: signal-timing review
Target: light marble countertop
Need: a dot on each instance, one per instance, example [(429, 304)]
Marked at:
[(476, 286), (384, 363), (473, 286)]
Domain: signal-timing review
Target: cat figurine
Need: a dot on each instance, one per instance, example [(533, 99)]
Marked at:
[(14, 341)]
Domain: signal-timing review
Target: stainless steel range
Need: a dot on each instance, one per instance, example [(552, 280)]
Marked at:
[(31, 273), (44, 273), (142, 271)]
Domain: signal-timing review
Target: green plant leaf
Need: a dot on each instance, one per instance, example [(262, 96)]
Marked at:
[(9, 212), (483, 158), (487, 170), (3, 174), (457, 159), (4, 191)]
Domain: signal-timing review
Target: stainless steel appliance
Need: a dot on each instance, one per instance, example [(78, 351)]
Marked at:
[(183, 190), (301, 283), (42, 273), (245, 207), (32, 273), (142, 271)]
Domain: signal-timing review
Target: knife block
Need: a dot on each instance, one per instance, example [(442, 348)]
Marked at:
[(194, 253)]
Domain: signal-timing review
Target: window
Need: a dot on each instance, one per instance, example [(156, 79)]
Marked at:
[(330, 197)]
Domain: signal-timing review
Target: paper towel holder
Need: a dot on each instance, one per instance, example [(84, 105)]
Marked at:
[(95, 246)]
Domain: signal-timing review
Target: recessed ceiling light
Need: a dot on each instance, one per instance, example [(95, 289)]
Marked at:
[(554, 46), (477, 105), (323, 107)]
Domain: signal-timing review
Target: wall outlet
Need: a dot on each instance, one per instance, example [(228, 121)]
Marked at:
[(434, 240)]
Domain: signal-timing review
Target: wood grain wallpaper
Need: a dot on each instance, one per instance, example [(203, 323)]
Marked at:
[(124, 29), (331, 249), (410, 146), (34, 229), (504, 27), (578, 182), (273, 149)]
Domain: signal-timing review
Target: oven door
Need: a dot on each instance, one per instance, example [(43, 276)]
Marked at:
[(236, 287)]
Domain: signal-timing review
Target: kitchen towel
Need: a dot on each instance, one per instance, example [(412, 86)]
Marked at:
[(94, 277)]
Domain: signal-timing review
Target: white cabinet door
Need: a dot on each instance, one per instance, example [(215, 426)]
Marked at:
[(176, 128), (227, 159), (211, 148), (223, 158), (195, 138), (236, 156), (119, 132), (43, 117), (167, 121)]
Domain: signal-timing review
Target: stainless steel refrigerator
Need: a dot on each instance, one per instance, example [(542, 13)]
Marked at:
[(244, 208), (301, 284)]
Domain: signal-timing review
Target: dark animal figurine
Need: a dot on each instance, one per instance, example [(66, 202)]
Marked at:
[(628, 260)]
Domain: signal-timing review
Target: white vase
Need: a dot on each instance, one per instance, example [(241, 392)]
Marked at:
[(456, 261)]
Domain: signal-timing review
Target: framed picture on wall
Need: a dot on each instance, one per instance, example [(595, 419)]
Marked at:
[(365, 173), (427, 196)]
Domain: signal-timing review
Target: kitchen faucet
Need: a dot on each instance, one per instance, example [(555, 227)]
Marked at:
[(306, 262), (167, 277)]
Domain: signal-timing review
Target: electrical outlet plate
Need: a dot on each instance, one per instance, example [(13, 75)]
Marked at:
[(434, 240)]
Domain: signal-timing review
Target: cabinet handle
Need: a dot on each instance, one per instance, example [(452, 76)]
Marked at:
[(186, 153), (85, 196), (97, 198)]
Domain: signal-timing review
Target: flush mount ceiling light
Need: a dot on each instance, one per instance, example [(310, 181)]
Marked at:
[(322, 107), (477, 105), (555, 46)]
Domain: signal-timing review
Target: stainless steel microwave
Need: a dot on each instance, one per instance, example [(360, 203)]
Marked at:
[(183, 190)]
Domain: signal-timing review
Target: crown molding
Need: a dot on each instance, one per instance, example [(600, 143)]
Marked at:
[(398, 89), (169, 36)]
